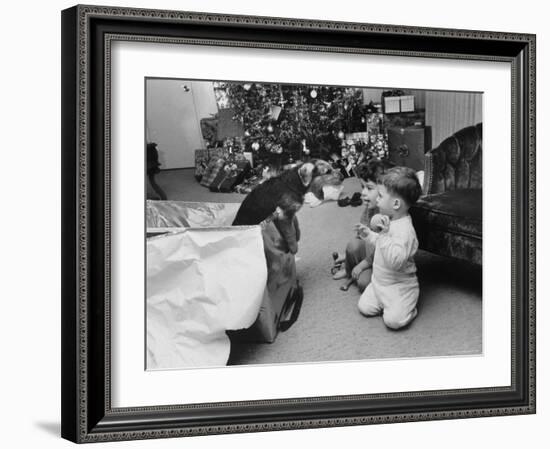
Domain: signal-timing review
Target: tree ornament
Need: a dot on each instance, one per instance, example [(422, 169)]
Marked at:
[(282, 100), (320, 119)]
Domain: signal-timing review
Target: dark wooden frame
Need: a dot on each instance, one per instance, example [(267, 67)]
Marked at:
[(87, 32)]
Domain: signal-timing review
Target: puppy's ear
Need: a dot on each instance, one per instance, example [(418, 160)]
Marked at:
[(306, 173)]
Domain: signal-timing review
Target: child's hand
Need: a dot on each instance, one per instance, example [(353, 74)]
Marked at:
[(361, 230)]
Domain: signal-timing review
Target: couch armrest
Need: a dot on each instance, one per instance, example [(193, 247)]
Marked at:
[(437, 177), (455, 163), (428, 174)]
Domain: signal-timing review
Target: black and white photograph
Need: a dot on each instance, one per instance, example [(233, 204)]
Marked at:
[(276, 220), (294, 223)]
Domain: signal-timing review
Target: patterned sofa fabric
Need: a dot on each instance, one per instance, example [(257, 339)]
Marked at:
[(450, 223), (457, 162), (448, 219)]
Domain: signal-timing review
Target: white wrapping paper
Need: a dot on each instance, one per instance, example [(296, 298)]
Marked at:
[(200, 283)]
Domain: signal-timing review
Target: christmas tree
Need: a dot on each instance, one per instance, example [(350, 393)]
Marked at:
[(295, 121)]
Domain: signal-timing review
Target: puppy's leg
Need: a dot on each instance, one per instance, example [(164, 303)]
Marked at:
[(287, 231), (287, 223), (297, 231)]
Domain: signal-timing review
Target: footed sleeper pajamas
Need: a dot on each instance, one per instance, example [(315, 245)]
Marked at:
[(393, 290)]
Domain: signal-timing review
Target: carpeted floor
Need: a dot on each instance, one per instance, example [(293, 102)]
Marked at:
[(330, 327)]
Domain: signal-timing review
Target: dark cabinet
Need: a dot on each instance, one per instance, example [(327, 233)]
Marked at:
[(407, 145)]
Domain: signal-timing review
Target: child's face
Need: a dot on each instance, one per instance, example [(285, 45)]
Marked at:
[(369, 194), (386, 202)]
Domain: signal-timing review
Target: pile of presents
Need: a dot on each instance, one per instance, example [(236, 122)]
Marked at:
[(222, 171)]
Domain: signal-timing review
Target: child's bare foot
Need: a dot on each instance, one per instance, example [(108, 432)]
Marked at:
[(340, 274), (346, 286)]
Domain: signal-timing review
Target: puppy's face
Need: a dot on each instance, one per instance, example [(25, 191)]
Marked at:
[(310, 170)]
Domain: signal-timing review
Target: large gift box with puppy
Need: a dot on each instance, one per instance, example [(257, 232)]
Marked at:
[(209, 283)]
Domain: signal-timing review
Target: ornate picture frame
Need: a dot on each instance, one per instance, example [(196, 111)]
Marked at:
[(88, 33)]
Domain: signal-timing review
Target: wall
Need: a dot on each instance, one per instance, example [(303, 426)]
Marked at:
[(174, 113), (30, 387), (174, 109), (447, 112)]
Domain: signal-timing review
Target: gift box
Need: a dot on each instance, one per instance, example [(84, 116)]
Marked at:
[(407, 103), (210, 283), (201, 163), (401, 103), (212, 171), (392, 105)]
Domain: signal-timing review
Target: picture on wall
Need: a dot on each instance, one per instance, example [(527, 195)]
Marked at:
[(293, 223)]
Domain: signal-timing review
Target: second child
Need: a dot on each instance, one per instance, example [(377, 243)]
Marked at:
[(359, 252)]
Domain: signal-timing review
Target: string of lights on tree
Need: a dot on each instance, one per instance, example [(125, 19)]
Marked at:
[(296, 120)]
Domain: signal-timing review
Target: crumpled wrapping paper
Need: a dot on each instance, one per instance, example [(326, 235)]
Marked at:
[(200, 283), (184, 214)]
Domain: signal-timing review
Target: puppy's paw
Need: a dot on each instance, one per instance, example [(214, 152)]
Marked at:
[(292, 248)]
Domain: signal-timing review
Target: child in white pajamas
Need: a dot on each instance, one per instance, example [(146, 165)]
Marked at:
[(393, 291)]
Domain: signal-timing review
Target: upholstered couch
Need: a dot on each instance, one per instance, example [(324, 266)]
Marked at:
[(448, 217)]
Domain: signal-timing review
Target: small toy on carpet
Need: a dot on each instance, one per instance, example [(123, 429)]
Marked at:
[(338, 262)]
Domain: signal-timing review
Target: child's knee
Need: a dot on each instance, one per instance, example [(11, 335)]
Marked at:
[(392, 322), (367, 308), (396, 319), (354, 245)]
